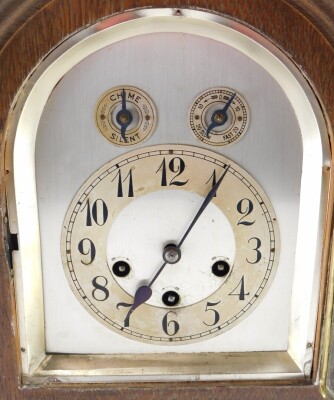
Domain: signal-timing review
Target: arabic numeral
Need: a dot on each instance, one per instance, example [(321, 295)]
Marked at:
[(121, 181), (213, 178), (170, 327), (87, 248), (176, 166), (100, 292), (245, 207), (97, 213), (241, 292), (214, 313), (258, 254)]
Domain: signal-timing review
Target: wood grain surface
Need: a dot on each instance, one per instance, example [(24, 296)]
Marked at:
[(29, 30)]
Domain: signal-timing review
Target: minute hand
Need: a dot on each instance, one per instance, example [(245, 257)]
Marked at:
[(205, 203)]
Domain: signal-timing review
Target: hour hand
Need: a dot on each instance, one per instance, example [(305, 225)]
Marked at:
[(143, 293)]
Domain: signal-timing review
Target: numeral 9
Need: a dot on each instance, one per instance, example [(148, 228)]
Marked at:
[(87, 248)]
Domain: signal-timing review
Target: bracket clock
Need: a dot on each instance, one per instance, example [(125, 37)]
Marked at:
[(167, 199)]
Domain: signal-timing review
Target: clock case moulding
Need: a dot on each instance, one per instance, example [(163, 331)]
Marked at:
[(32, 278), (57, 363)]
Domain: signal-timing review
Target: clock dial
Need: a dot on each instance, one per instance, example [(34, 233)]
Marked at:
[(219, 116), (125, 115), (130, 216)]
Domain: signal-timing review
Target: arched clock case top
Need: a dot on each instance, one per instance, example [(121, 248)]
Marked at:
[(32, 30)]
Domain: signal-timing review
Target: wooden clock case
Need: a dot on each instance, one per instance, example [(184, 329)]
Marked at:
[(29, 30)]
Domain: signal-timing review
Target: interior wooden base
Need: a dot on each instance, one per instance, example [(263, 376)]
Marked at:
[(162, 367)]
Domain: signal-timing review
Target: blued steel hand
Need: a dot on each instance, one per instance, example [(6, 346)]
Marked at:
[(124, 117), (219, 117), (144, 292)]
